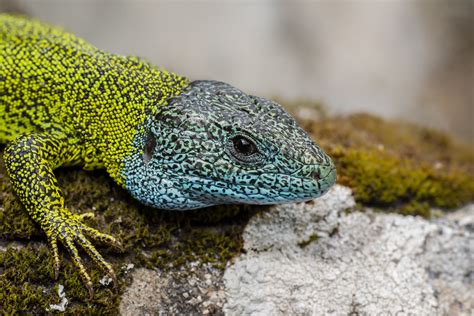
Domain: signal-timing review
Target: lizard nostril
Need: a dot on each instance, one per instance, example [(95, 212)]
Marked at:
[(316, 174)]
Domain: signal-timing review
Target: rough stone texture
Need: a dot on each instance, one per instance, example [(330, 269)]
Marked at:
[(144, 296), (193, 289), (314, 258), (448, 258), (325, 257)]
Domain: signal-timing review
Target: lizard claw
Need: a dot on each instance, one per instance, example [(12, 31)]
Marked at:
[(90, 289), (83, 216), (53, 243), (104, 238), (71, 232), (56, 271)]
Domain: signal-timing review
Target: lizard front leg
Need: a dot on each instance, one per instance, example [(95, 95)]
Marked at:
[(30, 161)]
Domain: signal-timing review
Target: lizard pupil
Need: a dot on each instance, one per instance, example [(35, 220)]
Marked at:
[(244, 146)]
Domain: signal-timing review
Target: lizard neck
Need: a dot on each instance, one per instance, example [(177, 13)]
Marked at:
[(133, 91)]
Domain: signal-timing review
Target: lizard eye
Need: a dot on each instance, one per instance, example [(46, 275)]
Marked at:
[(243, 145), (244, 149)]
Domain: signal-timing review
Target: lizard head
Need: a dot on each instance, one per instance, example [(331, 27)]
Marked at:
[(213, 144)]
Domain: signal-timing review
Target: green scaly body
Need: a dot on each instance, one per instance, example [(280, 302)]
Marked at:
[(53, 81), (171, 143), (63, 99)]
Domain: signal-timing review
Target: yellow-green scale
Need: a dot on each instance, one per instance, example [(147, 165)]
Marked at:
[(54, 82), (65, 102)]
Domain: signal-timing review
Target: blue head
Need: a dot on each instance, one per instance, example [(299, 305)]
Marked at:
[(214, 144)]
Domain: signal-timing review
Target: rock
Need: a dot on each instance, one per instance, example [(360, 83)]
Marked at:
[(325, 257), (175, 292), (145, 295), (316, 258), (448, 258)]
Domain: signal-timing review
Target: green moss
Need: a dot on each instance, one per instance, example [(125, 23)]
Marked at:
[(28, 286), (382, 180), (396, 165), (398, 139), (205, 245)]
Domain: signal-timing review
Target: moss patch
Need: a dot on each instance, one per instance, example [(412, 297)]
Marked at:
[(396, 165)]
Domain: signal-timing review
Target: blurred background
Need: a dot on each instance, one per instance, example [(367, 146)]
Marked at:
[(412, 60)]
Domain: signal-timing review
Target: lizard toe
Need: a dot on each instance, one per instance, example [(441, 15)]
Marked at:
[(71, 233), (77, 261), (83, 216), (101, 237), (96, 256), (53, 243)]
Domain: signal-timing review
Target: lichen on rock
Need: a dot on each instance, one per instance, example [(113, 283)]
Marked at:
[(362, 262)]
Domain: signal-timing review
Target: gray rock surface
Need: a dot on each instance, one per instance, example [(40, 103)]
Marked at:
[(194, 289), (325, 257), (145, 295), (317, 258)]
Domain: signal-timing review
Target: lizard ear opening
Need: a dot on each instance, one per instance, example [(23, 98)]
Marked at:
[(149, 148)]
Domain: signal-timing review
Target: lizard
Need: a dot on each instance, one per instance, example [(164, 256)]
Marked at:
[(172, 143)]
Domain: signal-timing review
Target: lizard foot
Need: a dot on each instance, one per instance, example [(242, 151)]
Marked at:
[(97, 235), (71, 232)]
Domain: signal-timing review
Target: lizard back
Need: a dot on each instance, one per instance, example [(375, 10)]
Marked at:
[(52, 81), (33, 97)]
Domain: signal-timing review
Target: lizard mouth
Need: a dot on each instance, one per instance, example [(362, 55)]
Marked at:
[(295, 188), (330, 178)]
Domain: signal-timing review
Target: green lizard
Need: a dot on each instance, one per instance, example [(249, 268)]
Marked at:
[(172, 143)]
